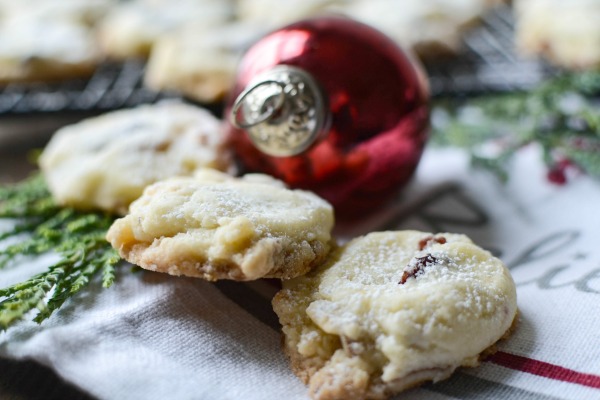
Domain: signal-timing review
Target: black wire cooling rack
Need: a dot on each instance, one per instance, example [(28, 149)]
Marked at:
[(112, 86), (488, 63)]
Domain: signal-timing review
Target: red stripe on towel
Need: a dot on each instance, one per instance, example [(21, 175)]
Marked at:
[(547, 370)]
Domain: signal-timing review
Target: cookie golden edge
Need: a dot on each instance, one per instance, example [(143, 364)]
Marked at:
[(248, 256), (286, 266), (360, 386), (304, 369)]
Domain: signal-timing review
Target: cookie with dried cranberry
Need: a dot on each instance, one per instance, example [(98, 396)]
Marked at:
[(391, 310)]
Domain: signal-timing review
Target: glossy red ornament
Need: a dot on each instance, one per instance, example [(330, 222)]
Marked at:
[(377, 107)]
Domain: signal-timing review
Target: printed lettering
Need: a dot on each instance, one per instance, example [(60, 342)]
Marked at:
[(545, 281), (545, 247)]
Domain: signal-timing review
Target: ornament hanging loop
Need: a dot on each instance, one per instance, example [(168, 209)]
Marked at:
[(283, 111), (240, 121)]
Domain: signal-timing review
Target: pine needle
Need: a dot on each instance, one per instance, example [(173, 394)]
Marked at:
[(562, 115), (43, 226)]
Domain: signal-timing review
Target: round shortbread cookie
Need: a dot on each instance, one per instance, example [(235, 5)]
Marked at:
[(132, 28), (200, 62), (565, 32), (106, 162), (428, 27), (275, 13), (215, 226), (86, 12), (391, 310), (45, 49)]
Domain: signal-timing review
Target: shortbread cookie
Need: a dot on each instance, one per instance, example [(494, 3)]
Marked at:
[(391, 310), (276, 13), (428, 27), (214, 226), (131, 29), (565, 32), (85, 12), (44, 49), (106, 162), (199, 62)]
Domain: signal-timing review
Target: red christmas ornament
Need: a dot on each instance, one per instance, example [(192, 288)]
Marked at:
[(333, 106)]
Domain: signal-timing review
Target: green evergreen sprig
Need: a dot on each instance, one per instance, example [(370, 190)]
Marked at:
[(562, 115), (41, 226)]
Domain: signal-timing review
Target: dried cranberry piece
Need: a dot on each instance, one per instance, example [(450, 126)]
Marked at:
[(420, 264), (426, 241)]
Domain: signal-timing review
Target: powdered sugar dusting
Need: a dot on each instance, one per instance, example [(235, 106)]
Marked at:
[(451, 308), (199, 224)]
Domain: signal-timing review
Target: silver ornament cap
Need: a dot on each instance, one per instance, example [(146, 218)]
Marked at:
[(284, 111)]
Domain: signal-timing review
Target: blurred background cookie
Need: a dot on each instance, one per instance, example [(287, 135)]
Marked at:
[(565, 32), (198, 61), (86, 12), (131, 28), (106, 162), (40, 49), (47, 40), (273, 14), (429, 27)]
